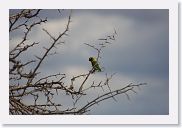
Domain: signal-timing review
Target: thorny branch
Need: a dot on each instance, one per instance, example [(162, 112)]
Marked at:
[(108, 95), (26, 80)]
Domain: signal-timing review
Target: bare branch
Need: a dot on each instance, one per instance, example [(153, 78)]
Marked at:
[(27, 79)]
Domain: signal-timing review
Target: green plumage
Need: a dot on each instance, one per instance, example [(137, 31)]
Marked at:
[(95, 64)]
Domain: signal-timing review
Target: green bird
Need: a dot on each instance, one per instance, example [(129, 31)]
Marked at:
[(95, 64)]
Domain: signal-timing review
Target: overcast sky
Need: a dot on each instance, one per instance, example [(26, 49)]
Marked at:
[(140, 54)]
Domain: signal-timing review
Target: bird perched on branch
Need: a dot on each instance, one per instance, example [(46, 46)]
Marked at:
[(95, 64)]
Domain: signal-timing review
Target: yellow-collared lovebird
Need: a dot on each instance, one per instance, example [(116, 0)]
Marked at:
[(95, 64)]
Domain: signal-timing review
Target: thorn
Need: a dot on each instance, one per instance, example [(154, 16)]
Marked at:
[(37, 57), (45, 48), (102, 39), (115, 31), (107, 42)]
